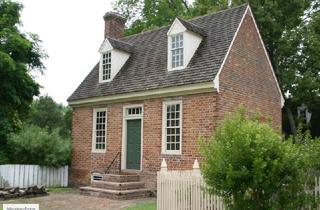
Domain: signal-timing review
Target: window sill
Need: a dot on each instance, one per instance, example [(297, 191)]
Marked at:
[(98, 151), (105, 81), (177, 68), (171, 153)]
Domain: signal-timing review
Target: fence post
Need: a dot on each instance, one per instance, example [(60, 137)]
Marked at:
[(164, 166), (196, 168)]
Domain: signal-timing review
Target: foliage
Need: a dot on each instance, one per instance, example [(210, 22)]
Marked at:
[(19, 53), (147, 14), (46, 113), (249, 165), (309, 152), (34, 145), (144, 206)]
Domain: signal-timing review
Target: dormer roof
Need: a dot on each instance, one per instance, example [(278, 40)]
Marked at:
[(192, 27), (117, 44)]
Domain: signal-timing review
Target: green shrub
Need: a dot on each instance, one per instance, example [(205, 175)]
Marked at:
[(248, 164), (34, 145)]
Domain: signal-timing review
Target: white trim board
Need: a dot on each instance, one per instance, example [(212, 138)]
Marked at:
[(216, 80), (148, 94)]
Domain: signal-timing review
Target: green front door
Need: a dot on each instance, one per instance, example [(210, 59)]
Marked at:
[(133, 144)]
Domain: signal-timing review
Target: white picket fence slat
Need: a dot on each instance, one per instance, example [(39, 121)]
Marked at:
[(186, 190), (30, 175)]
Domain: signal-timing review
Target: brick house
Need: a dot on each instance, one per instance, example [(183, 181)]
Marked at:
[(154, 93)]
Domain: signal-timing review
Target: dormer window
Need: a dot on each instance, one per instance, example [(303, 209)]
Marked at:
[(177, 50), (113, 55), (106, 66), (183, 40)]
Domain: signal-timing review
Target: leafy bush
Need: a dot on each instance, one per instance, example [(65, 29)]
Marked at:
[(34, 145), (249, 165), (309, 153)]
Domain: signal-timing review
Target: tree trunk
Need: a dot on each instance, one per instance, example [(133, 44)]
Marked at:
[(292, 124)]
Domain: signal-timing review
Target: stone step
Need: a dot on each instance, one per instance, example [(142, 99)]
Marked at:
[(120, 178), (115, 194), (117, 185)]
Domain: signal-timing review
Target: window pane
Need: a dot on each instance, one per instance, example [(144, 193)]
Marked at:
[(100, 133), (177, 51), (173, 126), (106, 66)]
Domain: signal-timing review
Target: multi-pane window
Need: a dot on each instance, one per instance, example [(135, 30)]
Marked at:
[(172, 127), (134, 111), (177, 50), (99, 141), (106, 66)]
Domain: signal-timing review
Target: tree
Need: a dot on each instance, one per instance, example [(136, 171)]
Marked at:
[(19, 54), (302, 78), (249, 165), (34, 145), (46, 113), (147, 14)]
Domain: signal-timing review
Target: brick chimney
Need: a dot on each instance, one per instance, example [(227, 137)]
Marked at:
[(113, 25)]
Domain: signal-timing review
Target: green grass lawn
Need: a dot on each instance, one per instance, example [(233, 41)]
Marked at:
[(144, 206)]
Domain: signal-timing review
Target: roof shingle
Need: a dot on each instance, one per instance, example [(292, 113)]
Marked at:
[(146, 68)]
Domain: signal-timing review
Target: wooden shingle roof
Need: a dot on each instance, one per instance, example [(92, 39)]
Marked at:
[(146, 68)]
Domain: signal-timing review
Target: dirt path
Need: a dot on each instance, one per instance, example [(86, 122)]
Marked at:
[(74, 201)]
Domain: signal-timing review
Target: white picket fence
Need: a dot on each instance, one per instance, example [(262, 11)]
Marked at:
[(30, 175), (184, 190)]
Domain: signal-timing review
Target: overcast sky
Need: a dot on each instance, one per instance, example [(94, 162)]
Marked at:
[(72, 32)]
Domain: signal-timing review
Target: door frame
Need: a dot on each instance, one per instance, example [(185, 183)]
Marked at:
[(125, 118)]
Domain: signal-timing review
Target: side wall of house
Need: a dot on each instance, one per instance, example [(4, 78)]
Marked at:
[(199, 118), (247, 79)]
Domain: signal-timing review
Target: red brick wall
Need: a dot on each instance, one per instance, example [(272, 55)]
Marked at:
[(199, 117), (247, 79)]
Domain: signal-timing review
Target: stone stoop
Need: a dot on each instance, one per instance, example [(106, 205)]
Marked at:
[(118, 187)]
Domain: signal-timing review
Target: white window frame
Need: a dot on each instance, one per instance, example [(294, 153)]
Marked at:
[(164, 126), (101, 67), (94, 121), (183, 52)]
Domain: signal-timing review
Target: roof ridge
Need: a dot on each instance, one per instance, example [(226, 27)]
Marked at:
[(194, 18)]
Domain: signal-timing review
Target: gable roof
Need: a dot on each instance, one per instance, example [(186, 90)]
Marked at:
[(146, 68), (192, 27)]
